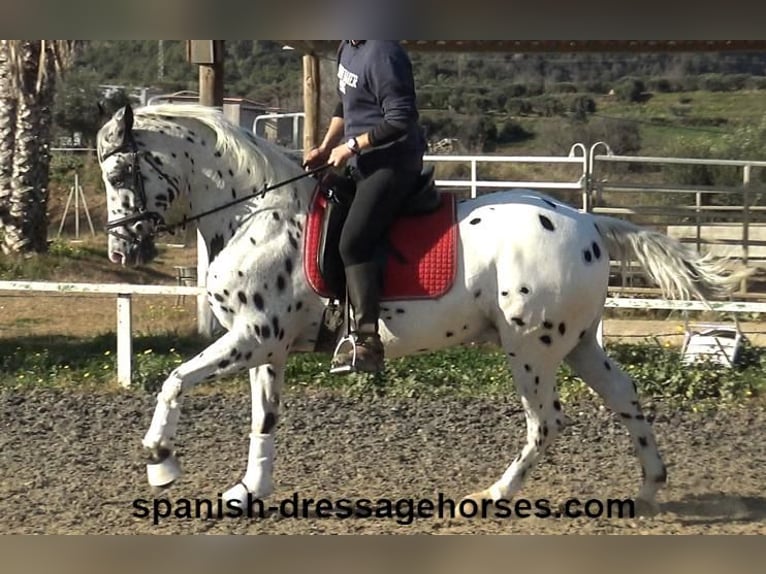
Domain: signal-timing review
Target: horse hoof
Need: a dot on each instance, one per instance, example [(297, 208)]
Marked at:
[(646, 508), (164, 473), (237, 494)]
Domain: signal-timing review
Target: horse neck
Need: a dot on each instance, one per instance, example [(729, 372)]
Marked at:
[(213, 185)]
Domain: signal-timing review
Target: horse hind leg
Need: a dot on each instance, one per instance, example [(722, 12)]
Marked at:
[(534, 377), (589, 361), (266, 387)]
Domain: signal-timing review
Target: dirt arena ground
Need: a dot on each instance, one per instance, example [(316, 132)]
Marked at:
[(71, 463)]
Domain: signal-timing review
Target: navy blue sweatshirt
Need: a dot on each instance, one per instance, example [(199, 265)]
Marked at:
[(377, 96)]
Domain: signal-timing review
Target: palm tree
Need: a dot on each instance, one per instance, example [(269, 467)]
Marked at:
[(28, 73)]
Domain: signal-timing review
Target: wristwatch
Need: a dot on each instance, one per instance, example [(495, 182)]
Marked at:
[(353, 145)]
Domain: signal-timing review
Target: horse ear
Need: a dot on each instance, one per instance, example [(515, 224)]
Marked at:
[(124, 123)]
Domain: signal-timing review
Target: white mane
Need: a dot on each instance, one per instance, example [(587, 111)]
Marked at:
[(231, 140)]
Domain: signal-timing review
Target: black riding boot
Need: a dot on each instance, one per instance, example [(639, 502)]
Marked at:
[(364, 293)]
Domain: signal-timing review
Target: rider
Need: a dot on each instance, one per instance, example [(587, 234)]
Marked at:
[(375, 129)]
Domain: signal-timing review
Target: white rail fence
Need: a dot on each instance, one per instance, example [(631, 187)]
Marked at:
[(585, 162)]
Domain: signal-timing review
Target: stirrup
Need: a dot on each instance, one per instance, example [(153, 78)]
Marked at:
[(347, 368)]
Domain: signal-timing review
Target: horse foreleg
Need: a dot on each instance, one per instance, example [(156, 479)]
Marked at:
[(266, 387), (232, 353)]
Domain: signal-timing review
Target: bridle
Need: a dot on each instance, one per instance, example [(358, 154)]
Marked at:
[(130, 147)]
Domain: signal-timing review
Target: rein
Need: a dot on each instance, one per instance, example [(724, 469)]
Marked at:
[(260, 193)]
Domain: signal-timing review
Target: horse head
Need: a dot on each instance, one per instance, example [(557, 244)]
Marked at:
[(131, 175)]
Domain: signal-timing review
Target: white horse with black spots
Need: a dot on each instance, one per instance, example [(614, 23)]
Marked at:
[(531, 276)]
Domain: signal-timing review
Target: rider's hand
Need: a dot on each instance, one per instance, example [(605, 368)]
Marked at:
[(339, 155), (315, 157)]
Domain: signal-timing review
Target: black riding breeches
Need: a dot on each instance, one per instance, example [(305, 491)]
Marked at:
[(379, 198)]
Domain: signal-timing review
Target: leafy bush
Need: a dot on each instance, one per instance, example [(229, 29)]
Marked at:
[(630, 89)]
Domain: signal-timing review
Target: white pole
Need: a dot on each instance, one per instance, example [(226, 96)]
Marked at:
[(205, 319), (124, 340)]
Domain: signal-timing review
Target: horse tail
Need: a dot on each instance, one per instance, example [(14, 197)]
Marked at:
[(678, 270)]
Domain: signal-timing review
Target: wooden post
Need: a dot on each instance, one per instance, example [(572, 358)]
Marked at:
[(211, 77), (208, 55), (311, 101)]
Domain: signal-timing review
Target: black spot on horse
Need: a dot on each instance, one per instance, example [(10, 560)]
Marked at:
[(242, 297), (399, 311), (475, 220), (518, 321), (298, 305), (275, 323), (582, 334), (289, 266), (524, 290), (248, 355), (547, 325), (477, 294), (216, 246), (562, 329), (218, 297), (607, 366), (268, 423), (587, 255), (546, 339), (233, 193), (537, 380), (265, 331), (527, 368), (557, 405), (546, 223), (275, 215), (643, 442), (293, 241), (271, 372), (626, 415), (280, 283), (223, 364), (596, 250), (504, 293), (258, 301), (449, 334)]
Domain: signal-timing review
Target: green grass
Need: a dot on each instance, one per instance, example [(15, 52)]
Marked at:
[(82, 364)]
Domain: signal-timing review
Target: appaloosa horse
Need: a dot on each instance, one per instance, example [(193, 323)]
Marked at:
[(514, 267)]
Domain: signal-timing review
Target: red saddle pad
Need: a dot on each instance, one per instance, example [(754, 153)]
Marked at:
[(427, 245)]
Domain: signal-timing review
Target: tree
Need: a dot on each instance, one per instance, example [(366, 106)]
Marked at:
[(28, 72), (76, 104)]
